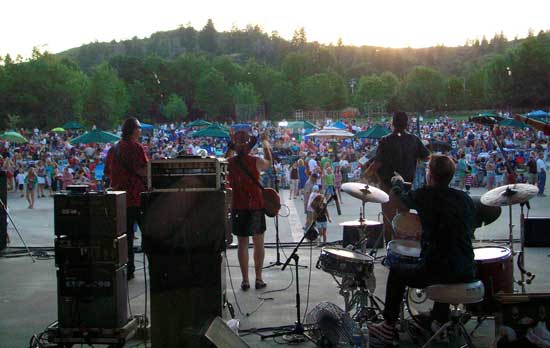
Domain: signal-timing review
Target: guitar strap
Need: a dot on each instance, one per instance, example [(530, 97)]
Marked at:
[(247, 172)]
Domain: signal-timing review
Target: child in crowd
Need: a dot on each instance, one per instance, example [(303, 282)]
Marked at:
[(468, 180), (310, 210), (31, 182), (20, 178), (321, 218)]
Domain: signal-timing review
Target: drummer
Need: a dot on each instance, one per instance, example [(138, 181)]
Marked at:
[(448, 219)]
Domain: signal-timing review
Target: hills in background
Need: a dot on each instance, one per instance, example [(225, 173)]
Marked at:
[(271, 49), (245, 73)]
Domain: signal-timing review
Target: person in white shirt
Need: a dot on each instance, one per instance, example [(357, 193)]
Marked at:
[(20, 179), (312, 163), (541, 174)]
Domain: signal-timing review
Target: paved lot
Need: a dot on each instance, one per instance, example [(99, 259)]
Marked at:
[(28, 290)]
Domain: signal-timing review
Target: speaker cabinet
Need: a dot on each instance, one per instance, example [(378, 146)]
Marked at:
[(537, 232)]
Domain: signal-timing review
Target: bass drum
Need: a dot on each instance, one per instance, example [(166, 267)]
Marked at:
[(407, 226), (495, 268)]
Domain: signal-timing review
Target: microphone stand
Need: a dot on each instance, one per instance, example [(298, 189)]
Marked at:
[(298, 328), (277, 241)]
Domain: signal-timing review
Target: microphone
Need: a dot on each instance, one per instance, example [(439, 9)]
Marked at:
[(338, 209)]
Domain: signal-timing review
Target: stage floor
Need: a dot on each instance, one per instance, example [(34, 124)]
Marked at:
[(28, 290)]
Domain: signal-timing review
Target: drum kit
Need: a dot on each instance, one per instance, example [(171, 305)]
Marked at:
[(353, 268)]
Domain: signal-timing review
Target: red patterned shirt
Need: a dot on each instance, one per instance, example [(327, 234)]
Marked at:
[(124, 177)]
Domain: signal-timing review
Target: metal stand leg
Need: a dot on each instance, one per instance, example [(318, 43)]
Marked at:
[(439, 332), (467, 337), (17, 230)]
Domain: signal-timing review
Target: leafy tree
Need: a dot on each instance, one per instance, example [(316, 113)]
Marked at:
[(208, 37), (296, 66), (107, 100), (140, 99), (376, 91), (317, 91), (244, 93), (498, 82), (455, 93), (43, 91), (475, 88), (299, 38), (423, 89), (175, 108), (212, 93)]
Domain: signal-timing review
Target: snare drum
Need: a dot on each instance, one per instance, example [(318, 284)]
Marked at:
[(407, 226), (402, 252), (495, 268), (342, 262)]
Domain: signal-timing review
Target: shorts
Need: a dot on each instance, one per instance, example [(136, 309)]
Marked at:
[(41, 180), (321, 225), (247, 223)]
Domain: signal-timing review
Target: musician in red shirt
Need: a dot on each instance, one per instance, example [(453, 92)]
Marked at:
[(247, 214), (126, 167)]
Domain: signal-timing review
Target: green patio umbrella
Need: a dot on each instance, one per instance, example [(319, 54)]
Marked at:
[(95, 136), (72, 125), (375, 132), (13, 137), (213, 131), (301, 124), (510, 122), (58, 130), (198, 123), (487, 114)]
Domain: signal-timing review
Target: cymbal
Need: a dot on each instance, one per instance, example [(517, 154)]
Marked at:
[(485, 214), (365, 192), (509, 195), (355, 223)]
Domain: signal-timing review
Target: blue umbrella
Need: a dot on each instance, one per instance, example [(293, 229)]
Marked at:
[(538, 113), (339, 125)]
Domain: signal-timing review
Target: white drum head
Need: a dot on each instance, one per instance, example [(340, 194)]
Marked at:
[(345, 254), (491, 253), (405, 247)]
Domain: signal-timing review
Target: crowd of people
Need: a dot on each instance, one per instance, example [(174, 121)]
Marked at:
[(48, 162)]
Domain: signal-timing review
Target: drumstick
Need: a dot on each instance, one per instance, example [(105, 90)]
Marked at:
[(404, 182)]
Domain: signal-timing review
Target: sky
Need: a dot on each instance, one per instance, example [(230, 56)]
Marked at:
[(57, 25)]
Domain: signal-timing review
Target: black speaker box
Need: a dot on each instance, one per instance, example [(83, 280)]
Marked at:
[(3, 215), (187, 293), (537, 232), (184, 222), (84, 252), (93, 297), (94, 215)]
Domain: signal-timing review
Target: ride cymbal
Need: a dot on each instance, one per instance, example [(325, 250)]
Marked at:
[(509, 195), (365, 192)]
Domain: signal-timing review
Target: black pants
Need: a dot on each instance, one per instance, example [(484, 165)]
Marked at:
[(416, 277), (132, 216)]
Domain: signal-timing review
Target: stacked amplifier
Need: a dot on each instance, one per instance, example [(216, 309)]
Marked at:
[(91, 252), (185, 229)]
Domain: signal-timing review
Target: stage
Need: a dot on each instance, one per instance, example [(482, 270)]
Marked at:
[(28, 290)]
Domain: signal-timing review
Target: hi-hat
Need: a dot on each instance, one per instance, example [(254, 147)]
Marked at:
[(509, 195), (365, 192)]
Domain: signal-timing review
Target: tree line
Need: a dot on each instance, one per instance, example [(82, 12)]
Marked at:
[(186, 74)]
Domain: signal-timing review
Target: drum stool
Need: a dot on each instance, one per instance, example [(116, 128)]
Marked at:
[(455, 295)]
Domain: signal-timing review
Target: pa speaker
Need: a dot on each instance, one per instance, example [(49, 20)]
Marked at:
[(537, 232)]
